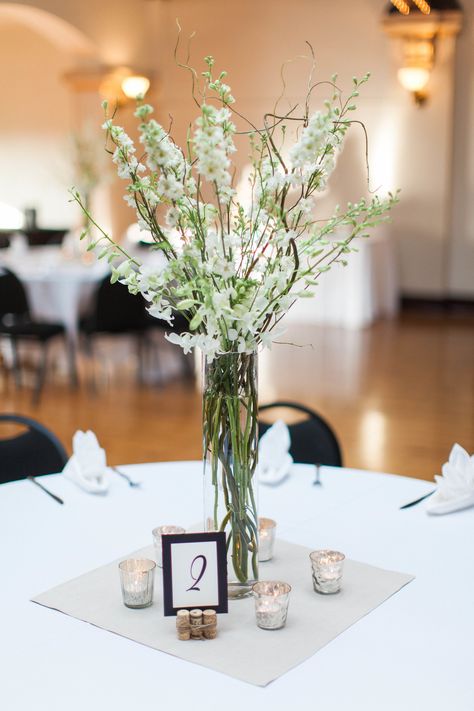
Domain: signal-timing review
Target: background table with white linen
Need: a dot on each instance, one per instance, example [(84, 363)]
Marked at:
[(59, 289), (356, 295), (411, 653)]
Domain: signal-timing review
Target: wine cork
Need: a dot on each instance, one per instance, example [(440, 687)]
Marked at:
[(183, 627), (209, 620), (195, 617)]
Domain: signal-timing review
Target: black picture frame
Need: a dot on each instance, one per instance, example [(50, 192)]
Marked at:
[(167, 541)]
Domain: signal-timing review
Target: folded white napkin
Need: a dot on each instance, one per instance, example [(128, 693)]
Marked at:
[(274, 459), (456, 486), (87, 466)]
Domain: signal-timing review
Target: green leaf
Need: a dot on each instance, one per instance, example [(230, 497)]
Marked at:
[(186, 304), (195, 321)]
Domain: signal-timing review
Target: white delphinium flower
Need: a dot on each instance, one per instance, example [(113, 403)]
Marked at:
[(161, 310), (142, 224), (306, 206), (186, 340), (169, 187), (123, 156), (172, 216), (315, 137), (161, 152), (212, 141)]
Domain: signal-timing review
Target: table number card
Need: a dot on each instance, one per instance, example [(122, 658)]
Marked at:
[(194, 572)]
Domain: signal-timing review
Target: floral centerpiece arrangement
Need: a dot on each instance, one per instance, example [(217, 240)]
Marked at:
[(234, 270)]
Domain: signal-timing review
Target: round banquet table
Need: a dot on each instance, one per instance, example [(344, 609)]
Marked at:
[(413, 652), (59, 289)]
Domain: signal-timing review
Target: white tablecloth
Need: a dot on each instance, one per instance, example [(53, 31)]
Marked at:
[(356, 295), (411, 653), (58, 289), (351, 297)]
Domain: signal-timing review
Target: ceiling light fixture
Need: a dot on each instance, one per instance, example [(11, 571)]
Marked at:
[(423, 6), (415, 25), (402, 6)]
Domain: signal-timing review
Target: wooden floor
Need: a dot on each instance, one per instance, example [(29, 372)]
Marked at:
[(398, 394)]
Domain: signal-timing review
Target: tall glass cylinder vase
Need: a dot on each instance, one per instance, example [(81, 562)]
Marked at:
[(230, 433)]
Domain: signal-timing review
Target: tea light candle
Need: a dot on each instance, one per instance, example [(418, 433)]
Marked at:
[(266, 538), (327, 571), (157, 533), (271, 603), (137, 577)]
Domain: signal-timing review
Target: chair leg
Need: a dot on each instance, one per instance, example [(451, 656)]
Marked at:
[(16, 362), (140, 357), (41, 375), (4, 366), (188, 363), (72, 362), (155, 362), (89, 351)]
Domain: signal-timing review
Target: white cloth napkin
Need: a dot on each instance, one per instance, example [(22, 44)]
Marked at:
[(87, 466), (274, 459), (456, 485)]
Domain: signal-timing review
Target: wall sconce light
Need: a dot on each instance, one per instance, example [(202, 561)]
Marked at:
[(135, 85), (414, 80), (122, 85), (119, 85), (416, 25), (418, 61)]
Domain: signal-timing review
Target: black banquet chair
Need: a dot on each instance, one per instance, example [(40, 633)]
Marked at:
[(180, 325), (116, 312), (32, 452), (312, 439), (17, 324)]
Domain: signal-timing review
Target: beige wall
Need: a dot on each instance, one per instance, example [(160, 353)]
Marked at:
[(34, 123), (410, 148)]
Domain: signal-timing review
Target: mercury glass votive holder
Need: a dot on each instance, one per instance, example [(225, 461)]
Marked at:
[(271, 603), (266, 538), (137, 578), (327, 571), (157, 533)]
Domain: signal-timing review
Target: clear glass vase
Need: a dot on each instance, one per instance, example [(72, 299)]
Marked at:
[(230, 437)]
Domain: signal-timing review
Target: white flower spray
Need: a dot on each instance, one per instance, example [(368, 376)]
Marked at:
[(234, 270)]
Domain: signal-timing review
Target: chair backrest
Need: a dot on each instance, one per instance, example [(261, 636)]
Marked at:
[(12, 294), (30, 453), (312, 440), (117, 310), (179, 325)]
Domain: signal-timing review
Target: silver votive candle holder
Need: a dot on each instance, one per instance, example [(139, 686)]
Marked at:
[(271, 603), (327, 569), (137, 578), (157, 533), (266, 538)]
